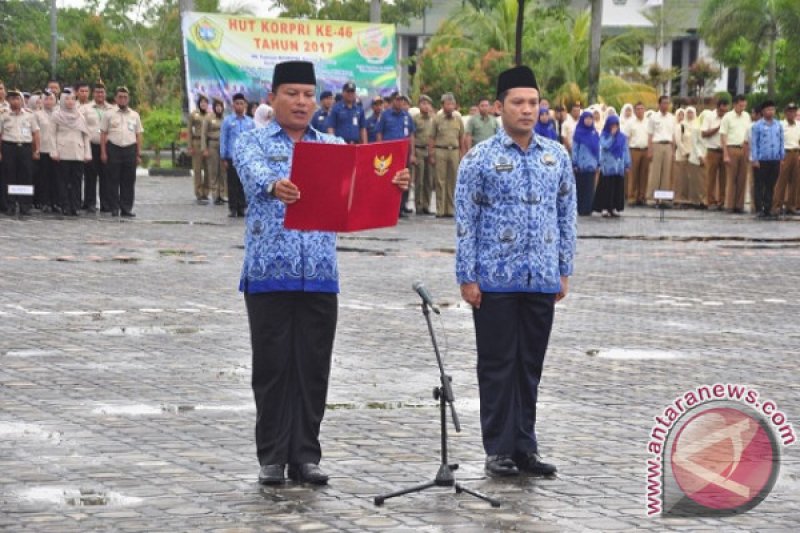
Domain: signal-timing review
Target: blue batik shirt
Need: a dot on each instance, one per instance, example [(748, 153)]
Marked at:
[(516, 216), (583, 159), (232, 127), (276, 258), (346, 121), (611, 165), (766, 141), (395, 125)]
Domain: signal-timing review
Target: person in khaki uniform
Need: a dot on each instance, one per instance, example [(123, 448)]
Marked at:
[(715, 166), (735, 140), (45, 175), (660, 148), (197, 119), (423, 171), (209, 143), (19, 146), (71, 150), (789, 180), (95, 171), (636, 130), (121, 147), (445, 151)]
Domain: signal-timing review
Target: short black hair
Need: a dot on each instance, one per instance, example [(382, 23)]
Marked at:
[(200, 98), (79, 84), (637, 104), (238, 96), (558, 108), (663, 97), (722, 101), (739, 98), (482, 98)]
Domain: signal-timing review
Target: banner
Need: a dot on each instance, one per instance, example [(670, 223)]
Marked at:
[(228, 54)]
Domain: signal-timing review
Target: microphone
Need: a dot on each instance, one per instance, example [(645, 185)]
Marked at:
[(420, 289)]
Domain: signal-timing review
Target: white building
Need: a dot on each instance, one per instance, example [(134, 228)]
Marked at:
[(680, 51)]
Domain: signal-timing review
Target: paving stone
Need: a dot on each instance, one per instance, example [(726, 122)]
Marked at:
[(125, 365)]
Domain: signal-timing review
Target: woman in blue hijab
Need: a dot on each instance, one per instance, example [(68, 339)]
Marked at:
[(615, 162), (544, 125), (585, 161)]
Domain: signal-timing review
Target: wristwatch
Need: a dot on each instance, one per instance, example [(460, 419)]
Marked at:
[(271, 188)]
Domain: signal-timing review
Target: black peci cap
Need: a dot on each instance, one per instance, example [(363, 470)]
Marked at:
[(293, 72), (512, 78)]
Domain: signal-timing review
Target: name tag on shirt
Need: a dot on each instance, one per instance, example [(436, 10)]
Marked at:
[(355, 121), (405, 132), (131, 127), (279, 158), (25, 131)]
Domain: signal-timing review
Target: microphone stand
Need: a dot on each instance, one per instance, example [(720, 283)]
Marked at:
[(443, 393)]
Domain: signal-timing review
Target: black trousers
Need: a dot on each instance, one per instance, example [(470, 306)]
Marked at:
[(765, 178), (292, 339), (121, 177), (94, 171), (69, 185), (17, 170), (512, 331), (45, 182), (236, 200)]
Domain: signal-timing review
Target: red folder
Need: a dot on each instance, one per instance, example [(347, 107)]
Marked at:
[(346, 187)]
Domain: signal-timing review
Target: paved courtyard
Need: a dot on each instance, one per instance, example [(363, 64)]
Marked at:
[(125, 402)]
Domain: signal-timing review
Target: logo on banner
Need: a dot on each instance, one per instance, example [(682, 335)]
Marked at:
[(382, 164), (373, 45), (207, 34)]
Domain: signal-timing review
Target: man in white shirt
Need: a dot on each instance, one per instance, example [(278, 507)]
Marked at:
[(568, 127), (660, 148), (715, 165), (786, 190), (735, 140), (636, 130)]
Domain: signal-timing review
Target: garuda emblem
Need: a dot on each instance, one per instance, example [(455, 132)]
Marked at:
[(382, 164)]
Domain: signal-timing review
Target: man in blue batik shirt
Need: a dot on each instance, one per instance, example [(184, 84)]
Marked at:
[(290, 284), (766, 154), (233, 127), (515, 244), (346, 119)]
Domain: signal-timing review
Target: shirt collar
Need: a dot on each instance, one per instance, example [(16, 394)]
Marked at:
[(273, 129), (507, 141)]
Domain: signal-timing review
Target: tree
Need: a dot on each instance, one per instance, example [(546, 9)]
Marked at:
[(161, 128), (723, 23), (397, 12), (594, 49)]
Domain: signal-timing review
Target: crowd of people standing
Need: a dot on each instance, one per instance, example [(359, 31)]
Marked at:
[(58, 146)]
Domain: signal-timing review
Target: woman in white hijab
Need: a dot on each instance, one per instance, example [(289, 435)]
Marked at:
[(626, 113), (679, 182), (262, 115), (72, 150), (695, 176)]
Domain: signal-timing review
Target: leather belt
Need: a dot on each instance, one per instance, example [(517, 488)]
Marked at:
[(663, 142), (790, 150), (737, 146), (446, 147), (14, 143), (639, 149), (421, 145), (718, 150)]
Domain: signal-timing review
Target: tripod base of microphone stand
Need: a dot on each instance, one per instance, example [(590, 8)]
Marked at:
[(444, 478)]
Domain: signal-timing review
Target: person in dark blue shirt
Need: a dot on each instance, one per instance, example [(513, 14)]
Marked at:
[(346, 119), (321, 115), (395, 123), (372, 121)]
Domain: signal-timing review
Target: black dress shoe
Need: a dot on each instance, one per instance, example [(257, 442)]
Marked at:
[(218, 201), (500, 466), (308, 473), (531, 463), (114, 213), (241, 213), (272, 474), (90, 210), (129, 214), (232, 214)]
